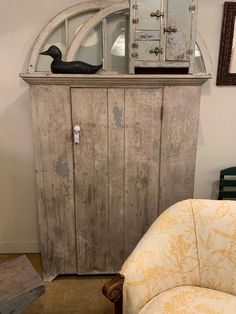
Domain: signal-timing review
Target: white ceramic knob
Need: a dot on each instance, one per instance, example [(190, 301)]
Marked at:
[(76, 128)]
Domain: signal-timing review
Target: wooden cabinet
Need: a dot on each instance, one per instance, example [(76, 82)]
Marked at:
[(162, 34), (136, 157)]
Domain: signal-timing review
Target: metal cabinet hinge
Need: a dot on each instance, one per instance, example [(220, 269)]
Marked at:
[(192, 7), (189, 52), (135, 7), (134, 55), (157, 14), (135, 21), (135, 45)]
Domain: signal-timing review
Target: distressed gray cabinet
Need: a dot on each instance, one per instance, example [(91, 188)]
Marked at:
[(162, 34), (136, 157)]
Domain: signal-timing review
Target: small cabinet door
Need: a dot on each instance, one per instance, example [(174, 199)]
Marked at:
[(178, 30), (116, 172), (144, 13), (149, 50)]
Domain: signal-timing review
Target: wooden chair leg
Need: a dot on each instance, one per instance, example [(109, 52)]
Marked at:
[(113, 290)]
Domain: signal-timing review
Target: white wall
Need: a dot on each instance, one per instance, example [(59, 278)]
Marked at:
[(20, 22), (217, 131)]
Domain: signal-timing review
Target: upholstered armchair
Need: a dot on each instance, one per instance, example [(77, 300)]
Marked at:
[(184, 264)]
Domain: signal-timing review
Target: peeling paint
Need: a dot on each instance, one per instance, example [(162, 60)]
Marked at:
[(117, 116), (62, 166)]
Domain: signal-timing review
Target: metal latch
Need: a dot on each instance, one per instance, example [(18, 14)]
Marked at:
[(157, 14), (156, 50), (76, 132), (170, 29)]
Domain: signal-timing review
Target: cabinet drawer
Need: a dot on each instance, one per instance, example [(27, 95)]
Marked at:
[(145, 50)]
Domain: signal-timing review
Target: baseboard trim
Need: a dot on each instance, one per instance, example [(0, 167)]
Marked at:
[(19, 247)]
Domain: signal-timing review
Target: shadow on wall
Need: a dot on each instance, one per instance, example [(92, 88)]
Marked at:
[(17, 180)]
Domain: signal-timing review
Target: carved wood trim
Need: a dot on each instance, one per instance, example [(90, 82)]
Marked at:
[(113, 290), (224, 77)]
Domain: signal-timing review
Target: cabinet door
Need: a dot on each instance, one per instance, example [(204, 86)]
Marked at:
[(142, 153), (179, 144), (51, 117), (179, 42), (143, 12), (116, 173)]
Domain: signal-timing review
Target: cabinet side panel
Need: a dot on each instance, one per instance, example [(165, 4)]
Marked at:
[(51, 116), (142, 150), (179, 144), (116, 133), (89, 111)]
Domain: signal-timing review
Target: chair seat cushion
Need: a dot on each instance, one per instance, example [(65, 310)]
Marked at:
[(191, 300)]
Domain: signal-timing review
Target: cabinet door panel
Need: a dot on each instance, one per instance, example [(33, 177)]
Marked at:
[(89, 111), (145, 48), (116, 156), (144, 11), (142, 149), (51, 115), (179, 144), (178, 43)]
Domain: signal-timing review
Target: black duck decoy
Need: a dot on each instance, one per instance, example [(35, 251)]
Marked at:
[(68, 67)]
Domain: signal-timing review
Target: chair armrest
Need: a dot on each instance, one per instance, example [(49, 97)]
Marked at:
[(113, 290)]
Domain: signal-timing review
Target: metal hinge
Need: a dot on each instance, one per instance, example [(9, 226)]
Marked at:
[(170, 29), (135, 21), (135, 45), (134, 55), (135, 7), (192, 7)]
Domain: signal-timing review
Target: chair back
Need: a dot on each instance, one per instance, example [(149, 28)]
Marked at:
[(227, 187)]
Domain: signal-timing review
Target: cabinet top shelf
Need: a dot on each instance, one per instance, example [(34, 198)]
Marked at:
[(111, 80)]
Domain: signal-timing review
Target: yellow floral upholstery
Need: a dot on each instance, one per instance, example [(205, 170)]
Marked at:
[(191, 244), (191, 300)]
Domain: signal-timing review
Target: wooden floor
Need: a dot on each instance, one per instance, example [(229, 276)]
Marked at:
[(67, 295)]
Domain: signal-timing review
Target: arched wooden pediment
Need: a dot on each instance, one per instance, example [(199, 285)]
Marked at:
[(100, 10)]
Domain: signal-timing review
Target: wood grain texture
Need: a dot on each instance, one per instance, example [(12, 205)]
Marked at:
[(116, 132), (179, 144), (20, 284), (89, 111), (51, 117), (142, 149)]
